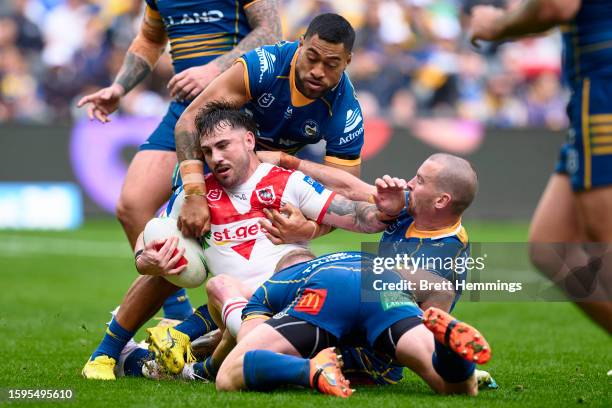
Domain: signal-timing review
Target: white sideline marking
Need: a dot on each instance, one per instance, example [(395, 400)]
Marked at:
[(18, 246)]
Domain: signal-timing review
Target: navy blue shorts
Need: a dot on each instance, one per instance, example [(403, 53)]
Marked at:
[(586, 157), (162, 137)]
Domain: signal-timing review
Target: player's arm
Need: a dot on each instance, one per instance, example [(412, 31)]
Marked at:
[(139, 61), (230, 86), (342, 182), (360, 216), (264, 20), (530, 17)]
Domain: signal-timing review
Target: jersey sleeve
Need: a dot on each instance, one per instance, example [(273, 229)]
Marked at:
[(344, 135), (260, 67), (152, 4), (258, 305), (310, 196)]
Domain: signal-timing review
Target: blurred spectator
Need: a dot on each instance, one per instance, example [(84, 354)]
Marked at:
[(411, 60)]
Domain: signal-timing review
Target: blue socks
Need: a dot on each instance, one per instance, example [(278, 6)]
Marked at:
[(177, 306), (265, 370), (206, 369), (450, 365), (132, 366), (114, 340), (197, 324)]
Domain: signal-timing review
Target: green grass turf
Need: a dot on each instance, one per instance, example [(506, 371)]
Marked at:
[(58, 287)]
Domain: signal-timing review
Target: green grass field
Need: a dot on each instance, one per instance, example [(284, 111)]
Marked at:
[(58, 287)]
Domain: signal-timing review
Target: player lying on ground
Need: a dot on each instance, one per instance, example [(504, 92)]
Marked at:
[(442, 189), (240, 188), (315, 305)]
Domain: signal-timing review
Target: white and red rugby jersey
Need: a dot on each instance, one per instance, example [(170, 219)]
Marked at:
[(237, 246)]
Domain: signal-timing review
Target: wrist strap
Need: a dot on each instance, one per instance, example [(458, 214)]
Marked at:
[(192, 175), (138, 253)]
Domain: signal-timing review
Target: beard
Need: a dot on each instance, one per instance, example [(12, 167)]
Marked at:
[(230, 175)]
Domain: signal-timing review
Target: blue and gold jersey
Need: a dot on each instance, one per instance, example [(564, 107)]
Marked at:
[(287, 120), (200, 31), (587, 43), (586, 157), (443, 252)]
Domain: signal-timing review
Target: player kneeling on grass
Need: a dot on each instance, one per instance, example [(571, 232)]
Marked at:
[(315, 305)]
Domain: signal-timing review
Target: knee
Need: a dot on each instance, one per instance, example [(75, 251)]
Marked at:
[(126, 208), (229, 375), (218, 287)]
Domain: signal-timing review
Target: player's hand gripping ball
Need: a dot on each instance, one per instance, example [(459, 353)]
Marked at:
[(159, 229)]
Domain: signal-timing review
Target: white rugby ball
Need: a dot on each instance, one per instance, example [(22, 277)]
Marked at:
[(195, 273)]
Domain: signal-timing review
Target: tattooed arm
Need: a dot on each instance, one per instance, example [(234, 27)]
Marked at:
[(366, 217), (265, 25), (140, 59)]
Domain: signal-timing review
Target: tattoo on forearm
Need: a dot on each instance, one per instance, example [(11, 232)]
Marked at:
[(362, 215), (133, 71), (264, 20), (187, 146)]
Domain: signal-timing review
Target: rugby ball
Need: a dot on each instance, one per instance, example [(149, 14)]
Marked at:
[(195, 274)]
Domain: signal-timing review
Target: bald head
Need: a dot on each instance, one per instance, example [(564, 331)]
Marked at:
[(456, 177)]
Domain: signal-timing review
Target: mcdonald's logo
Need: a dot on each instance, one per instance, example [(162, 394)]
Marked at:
[(311, 301)]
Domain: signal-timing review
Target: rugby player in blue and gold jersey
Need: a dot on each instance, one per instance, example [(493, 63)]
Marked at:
[(576, 206), (297, 93)]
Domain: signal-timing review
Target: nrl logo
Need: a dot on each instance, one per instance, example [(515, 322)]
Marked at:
[(266, 195), (265, 100), (214, 194)]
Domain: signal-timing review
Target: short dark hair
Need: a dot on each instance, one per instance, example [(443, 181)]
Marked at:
[(220, 114), (332, 28)]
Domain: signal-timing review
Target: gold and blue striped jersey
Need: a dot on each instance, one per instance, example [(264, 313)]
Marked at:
[(587, 43), (200, 31)]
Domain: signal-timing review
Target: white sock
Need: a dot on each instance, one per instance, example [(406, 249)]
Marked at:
[(231, 313)]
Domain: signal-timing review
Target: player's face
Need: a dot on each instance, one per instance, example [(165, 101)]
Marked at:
[(228, 154), (423, 190), (319, 66)]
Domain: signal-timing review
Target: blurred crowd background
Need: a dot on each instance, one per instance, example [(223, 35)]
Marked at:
[(412, 59)]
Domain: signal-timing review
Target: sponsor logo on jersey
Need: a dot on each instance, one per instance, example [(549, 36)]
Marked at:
[(214, 194), (266, 195), (266, 62), (311, 301), (236, 233), (353, 119), (310, 128), (239, 196), (318, 187), (393, 299), (351, 136), (210, 16), (288, 112), (265, 100)]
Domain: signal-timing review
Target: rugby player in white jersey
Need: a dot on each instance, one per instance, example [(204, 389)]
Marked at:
[(240, 188)]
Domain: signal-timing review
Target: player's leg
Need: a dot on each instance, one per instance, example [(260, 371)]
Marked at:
[(226, 299), (595, 209), (143, 300), (265, 359)]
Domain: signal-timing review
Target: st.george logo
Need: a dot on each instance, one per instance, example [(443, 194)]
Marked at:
[(266, 195)]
